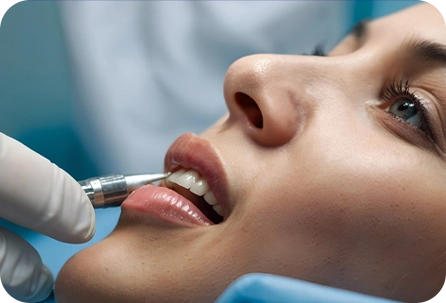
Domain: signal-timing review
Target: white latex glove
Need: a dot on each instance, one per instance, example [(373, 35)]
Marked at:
[(36, 194)]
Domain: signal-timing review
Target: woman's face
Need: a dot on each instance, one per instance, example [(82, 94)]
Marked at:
[(328, 169)]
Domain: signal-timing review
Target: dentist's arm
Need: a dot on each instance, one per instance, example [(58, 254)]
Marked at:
[(36, 194)]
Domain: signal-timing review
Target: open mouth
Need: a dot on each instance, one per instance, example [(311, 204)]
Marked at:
[(191, 185)]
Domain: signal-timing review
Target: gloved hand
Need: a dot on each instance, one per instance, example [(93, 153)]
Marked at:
[(36, 194)]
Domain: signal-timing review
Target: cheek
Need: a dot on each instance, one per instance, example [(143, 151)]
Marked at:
[(347, 197), (318, 227), (370, 202)]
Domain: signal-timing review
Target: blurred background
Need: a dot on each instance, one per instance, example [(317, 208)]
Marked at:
[(37, 97), (36, 91)]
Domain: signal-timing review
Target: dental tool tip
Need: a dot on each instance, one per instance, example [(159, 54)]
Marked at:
[(112, 190)]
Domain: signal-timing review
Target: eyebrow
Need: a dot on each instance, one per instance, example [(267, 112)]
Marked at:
[(426, 51), (423, 50)]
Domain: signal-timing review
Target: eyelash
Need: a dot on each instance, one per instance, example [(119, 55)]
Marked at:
[(401, 89)]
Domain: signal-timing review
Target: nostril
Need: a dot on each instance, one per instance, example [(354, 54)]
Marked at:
[(250, 108)]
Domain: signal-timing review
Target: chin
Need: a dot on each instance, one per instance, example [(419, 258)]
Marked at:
[(95, 275), (73, 284)]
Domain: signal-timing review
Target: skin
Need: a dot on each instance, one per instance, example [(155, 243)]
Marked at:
[(346, 194)]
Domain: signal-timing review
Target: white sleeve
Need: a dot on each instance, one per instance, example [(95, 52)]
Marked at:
[(148, 71)]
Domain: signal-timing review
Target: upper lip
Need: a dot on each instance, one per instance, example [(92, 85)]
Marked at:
[(191, 151)]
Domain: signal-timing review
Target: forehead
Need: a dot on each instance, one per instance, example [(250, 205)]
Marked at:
[(421, 21)]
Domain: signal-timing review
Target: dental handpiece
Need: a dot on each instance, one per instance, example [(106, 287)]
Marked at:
[(112, 190)]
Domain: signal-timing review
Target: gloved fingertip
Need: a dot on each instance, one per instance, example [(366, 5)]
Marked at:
[(92, 230), (44, 286), (86, 223)]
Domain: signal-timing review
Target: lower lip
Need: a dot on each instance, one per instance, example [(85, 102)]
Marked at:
[(167, 205)]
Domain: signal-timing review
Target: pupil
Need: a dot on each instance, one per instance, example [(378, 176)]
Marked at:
[(404, 108), (406, 105)]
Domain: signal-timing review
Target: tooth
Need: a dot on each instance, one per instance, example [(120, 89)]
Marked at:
[(210, 198), (200, 187), (173, 177), (187, 179), (218, 209), (169, 183)]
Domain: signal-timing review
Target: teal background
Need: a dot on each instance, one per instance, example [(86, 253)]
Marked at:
[(36, 92), (37, 97)]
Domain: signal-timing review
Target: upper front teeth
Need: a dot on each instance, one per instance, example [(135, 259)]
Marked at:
[(191, 180)]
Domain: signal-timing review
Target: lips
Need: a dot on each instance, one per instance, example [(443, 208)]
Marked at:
[(187, 152), (166, 205)]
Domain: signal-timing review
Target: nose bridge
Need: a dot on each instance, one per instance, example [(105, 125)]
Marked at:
[(274, 94)]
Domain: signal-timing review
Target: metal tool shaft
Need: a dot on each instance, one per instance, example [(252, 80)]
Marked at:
[(112, 190)]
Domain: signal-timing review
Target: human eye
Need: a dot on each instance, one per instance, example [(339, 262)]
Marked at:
[(407, 107)]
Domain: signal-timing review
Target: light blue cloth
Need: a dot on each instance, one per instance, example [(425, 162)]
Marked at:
[(266, 288)]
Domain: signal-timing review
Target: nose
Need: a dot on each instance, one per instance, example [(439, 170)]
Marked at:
[(260, 94)]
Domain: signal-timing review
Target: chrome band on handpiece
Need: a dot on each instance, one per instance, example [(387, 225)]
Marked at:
[(112, 190)]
